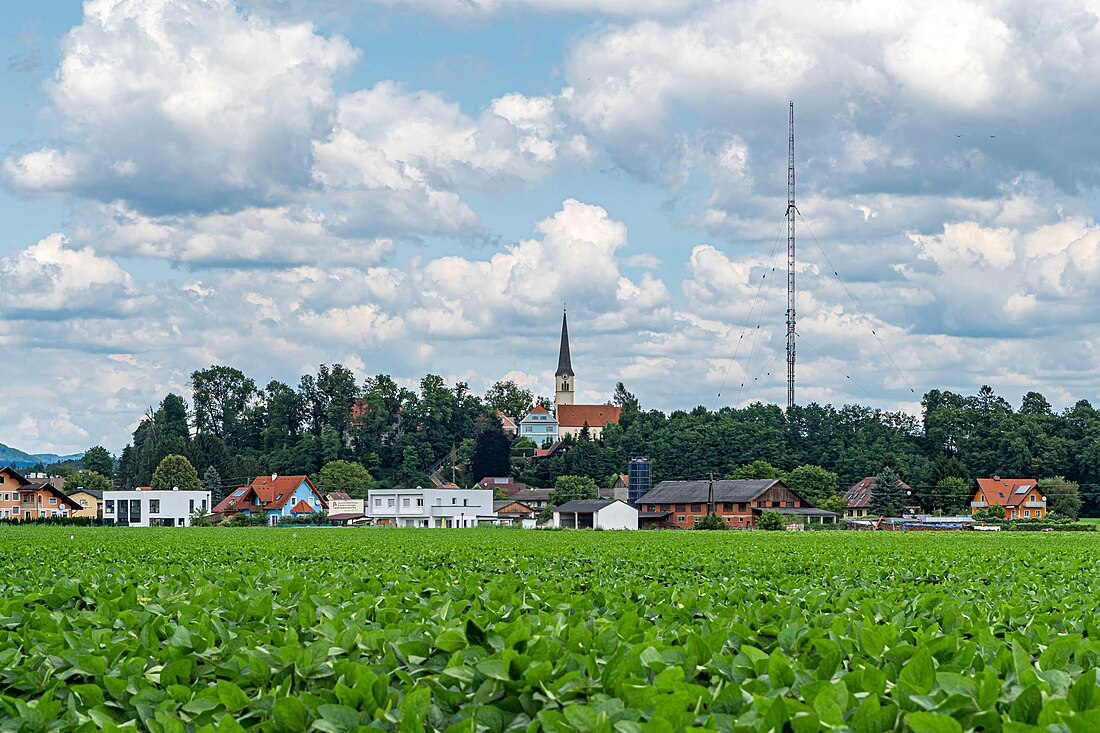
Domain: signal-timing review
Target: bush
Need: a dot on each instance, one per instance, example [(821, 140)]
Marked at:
[(711, 521), (771, 521), (54, 521)]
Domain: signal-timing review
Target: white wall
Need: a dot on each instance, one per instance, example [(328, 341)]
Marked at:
[(432, 507), (619, 515), (173, 505)]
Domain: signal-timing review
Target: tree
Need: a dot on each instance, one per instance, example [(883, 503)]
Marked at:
[(711, 521), (952, 494), (220, 395), (201, 518), (771, 521), (175, 471), (756, 470), (97, 459), (813, 483), (506, 396), (208, 451), (568, 488), (88, 480), (629, 407), (888, 495), (492, 454), (347, 476), (836, 504), (1063, 496), (212, 482), (991, 513)]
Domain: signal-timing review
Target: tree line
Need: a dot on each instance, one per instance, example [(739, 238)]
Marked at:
[(376, 432)]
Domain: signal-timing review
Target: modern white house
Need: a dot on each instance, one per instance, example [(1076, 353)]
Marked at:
[(437, 508), (153, 508), (596, 514)]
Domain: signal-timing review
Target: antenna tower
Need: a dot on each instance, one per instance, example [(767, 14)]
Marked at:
[(791, 212)]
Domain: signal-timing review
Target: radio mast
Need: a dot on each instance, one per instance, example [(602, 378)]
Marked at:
[(791, 211)]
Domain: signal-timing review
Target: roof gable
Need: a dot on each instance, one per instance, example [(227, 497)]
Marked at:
[(697, 492), (15, 475), (1006, 491)]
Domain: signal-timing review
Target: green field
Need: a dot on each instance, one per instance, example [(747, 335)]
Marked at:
[(337, 630)]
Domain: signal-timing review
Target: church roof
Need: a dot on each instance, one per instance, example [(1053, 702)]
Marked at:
[(596, 416), (564, 365)]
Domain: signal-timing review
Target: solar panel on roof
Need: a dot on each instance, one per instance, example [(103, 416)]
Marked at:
[(1023, 489), (238, 492)]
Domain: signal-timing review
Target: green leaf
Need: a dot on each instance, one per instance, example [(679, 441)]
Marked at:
[(919, 673), (1084, 695), (231, 696), (290, 714), (1027, 705), (933, 723), (451, 640)]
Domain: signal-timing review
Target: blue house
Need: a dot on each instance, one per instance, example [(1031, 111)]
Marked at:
[(540, 426), (274, 496)]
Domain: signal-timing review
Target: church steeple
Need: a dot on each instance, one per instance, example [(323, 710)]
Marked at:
[(563, 377)]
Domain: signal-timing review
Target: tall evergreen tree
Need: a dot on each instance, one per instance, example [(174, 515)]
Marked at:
[(888, 495), (492, 454), (212, 482)]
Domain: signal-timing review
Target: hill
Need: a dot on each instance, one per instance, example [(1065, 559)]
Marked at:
[(14, 457)]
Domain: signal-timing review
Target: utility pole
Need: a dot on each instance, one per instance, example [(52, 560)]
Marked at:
[(791, 212), (710, 494)]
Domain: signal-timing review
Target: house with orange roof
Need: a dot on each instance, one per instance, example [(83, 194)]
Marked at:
[(1020, 497), (273, 497), (23, 499)]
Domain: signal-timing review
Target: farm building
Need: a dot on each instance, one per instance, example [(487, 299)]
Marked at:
[(738, 502), (510, 511), (596, 514), (1020, 497), (860, 494)]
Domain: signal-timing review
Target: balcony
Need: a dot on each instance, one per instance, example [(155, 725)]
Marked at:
[(979, 504), (1036, 504)]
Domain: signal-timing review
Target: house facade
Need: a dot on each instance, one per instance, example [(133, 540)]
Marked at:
[(153, 508), (273, 497), (1020, 497), (23, 499), (539, 426), (596, 514), (440, 508), (509, 511), (90, 501), (739, 503)]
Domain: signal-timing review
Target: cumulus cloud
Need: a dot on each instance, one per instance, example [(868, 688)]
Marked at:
[(56, 280), (185, 106), (394, 158), (468, 8)]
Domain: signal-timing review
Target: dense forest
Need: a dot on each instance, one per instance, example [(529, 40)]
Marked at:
[(233, 430)]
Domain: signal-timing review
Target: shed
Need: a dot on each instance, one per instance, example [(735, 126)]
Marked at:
[(596, 514)]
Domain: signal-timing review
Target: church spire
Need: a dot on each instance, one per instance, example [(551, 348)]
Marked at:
[(563, 377), (565, 368)]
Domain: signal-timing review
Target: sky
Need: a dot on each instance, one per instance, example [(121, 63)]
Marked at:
[(418, 186)]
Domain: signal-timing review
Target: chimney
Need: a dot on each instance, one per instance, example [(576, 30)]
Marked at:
[(996, 478)]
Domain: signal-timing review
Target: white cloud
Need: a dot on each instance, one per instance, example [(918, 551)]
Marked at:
[(185, 105), (53, 279)]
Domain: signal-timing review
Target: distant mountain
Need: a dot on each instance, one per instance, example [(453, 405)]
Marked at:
[(14, 457)]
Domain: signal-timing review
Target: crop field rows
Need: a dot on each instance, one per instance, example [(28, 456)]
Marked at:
[(467, 630)]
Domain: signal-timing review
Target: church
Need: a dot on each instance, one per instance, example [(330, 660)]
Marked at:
[(572, 417)]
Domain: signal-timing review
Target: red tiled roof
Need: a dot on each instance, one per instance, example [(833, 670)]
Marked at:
[(596, 416), (1006, 491), (539, 408), (302, 508), (266, 492)]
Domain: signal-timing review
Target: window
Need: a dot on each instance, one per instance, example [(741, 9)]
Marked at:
[(391, 502), (420, 502), (378, 501), (109, 506), (191, 506), (405, 502), (14, 510), (84, 503), (454, 500), (204, 503), (53, 500), (154, 506), (179, 522), (465, 502), (680, 518)]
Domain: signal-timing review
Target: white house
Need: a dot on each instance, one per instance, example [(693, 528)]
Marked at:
[(596, 514), (431, 507), (153, 508)]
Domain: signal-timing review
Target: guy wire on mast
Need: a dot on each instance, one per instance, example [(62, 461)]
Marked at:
[(791, 212)]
